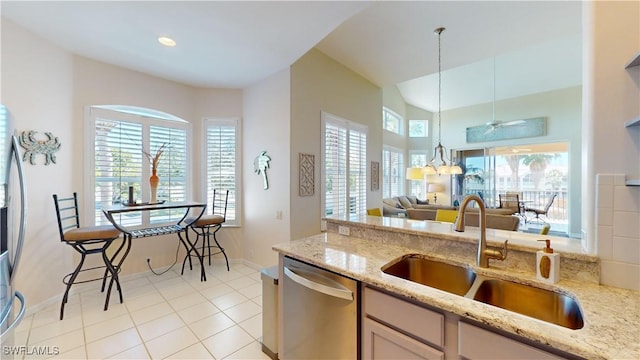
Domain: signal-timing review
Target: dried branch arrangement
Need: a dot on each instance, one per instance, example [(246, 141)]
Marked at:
[(154, 160)]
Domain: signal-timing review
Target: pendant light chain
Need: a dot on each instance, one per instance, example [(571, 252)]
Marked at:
[(445, 168), (439, 30)]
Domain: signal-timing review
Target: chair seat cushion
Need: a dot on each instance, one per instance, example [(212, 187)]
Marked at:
[(446, 215), (208, 220), (92, 233)]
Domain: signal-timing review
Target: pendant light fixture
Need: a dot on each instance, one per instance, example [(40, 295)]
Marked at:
[(445, 167)]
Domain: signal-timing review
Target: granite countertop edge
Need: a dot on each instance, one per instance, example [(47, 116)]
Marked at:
[(610, 314), (527, 242)]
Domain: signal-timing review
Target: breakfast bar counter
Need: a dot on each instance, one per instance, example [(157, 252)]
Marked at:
[(611, 315)]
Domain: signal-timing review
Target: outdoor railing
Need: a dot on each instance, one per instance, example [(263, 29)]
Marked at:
[(533, 199)]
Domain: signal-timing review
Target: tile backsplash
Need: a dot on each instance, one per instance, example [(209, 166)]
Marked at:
[(618, 231)]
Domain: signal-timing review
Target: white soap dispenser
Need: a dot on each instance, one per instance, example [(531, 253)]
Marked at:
[(547, 264)]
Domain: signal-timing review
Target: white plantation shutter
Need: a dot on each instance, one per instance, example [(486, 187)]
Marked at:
[(172, 169), (118, 162), (344, 166), (393, 170), (118, 165), (335, 159), (357, 171), (222, 163)]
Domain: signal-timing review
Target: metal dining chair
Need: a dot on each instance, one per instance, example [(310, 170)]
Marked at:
[(208, 225), (510, 201), (85, 240), (544, 211)]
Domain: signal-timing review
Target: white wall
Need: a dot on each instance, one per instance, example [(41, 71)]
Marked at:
[(266, 127), (37, 89), (611, 97), (319, 83), (414, 113)]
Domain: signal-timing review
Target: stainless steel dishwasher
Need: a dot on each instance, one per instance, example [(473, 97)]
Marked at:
[(320, 312)]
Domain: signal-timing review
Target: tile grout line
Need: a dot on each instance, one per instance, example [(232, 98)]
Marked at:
[(242, 276)]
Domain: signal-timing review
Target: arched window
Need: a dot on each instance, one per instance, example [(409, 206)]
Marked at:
[(117, 139)]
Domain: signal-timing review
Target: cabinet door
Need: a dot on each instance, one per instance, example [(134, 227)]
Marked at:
[(421, 323), (382, 342), (478, 343)]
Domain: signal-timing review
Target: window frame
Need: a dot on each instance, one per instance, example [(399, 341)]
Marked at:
[(237, 123), (426, 128), (361, 204), (418, 187), (400, 120), (401, 171), (131, 114)]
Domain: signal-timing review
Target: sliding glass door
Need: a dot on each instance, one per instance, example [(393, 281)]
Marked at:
[(478, 175), (535, 171)]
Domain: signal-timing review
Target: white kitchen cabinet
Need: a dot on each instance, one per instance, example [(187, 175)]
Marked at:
[(382, 342), (478, 343), (393, 328)]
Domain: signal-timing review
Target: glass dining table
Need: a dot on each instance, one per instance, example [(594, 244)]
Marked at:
[(192, 212)]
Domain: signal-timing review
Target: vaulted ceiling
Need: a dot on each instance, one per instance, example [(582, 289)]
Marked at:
[(500, 49)]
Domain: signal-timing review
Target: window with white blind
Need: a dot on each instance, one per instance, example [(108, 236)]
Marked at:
[(117, 137), (344, 158), (222, 147), (393, 172)]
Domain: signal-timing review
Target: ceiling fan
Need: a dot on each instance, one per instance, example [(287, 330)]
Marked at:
[(493, 125)]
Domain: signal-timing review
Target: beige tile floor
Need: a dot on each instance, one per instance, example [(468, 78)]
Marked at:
[(163, 317)]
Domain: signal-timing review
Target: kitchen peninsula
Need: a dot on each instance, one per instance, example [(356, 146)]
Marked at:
[(611, 315)]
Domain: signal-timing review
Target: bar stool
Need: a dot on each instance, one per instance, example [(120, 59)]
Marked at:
[(85, 240), (208, 225)]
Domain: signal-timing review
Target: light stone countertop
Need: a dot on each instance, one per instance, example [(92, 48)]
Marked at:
[(611, 315), (517, 240)]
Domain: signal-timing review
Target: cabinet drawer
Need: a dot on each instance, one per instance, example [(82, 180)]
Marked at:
[(478, 343), (382, 342), (413, 319)]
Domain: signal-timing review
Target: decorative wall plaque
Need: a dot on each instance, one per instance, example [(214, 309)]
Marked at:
[(260, 166), (306, 175), (33, 147), (375, 176), (507, 130)]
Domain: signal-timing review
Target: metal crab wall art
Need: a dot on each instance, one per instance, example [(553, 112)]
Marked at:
[(33, 147)]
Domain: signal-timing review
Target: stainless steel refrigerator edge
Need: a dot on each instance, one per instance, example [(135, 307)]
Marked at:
[(12, 231), (319, 312)]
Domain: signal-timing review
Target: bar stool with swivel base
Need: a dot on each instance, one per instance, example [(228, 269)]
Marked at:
[(85, 240), (208, 225)]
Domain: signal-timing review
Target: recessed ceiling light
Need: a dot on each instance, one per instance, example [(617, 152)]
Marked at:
[(166, 41)]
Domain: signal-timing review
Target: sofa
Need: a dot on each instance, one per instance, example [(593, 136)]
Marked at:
[(496, 218), (400, 204), (413, 208), (430, 212)]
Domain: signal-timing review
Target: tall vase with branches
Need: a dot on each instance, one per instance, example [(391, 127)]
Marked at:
[(154, 160)]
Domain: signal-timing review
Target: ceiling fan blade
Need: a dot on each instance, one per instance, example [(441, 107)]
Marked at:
[(513, 122), (489, 130)]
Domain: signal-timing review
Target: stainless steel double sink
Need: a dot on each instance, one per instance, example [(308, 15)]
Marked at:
[(542, 304)]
